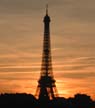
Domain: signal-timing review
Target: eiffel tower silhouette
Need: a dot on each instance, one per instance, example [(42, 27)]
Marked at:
[(46, 88)]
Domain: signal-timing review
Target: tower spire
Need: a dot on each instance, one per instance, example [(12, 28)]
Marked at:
[(47, 9)]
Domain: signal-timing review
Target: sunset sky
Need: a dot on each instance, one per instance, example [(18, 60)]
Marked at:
[(72, 39)]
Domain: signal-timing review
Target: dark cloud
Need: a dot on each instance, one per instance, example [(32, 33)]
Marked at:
[(78, 67), (75, 63), (78, 75), (19, 69), (81, 61), (21, 6), (28, 77), (82, 10)]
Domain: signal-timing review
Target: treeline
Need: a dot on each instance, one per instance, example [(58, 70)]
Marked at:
[(29, 101)]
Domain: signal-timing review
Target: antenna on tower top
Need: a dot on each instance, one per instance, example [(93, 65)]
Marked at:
[(46, 9)]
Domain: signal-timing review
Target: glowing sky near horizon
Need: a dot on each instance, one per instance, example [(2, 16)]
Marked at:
[(72, 39)]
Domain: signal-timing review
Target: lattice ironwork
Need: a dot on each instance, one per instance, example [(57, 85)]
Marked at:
[(46, 88)]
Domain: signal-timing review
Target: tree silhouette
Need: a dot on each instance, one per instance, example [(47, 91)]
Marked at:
[(22, 100)]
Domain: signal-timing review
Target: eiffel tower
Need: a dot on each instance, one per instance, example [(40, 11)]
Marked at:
[(46, 88)]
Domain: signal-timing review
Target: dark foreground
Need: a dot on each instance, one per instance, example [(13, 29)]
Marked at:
[(28, 101)]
